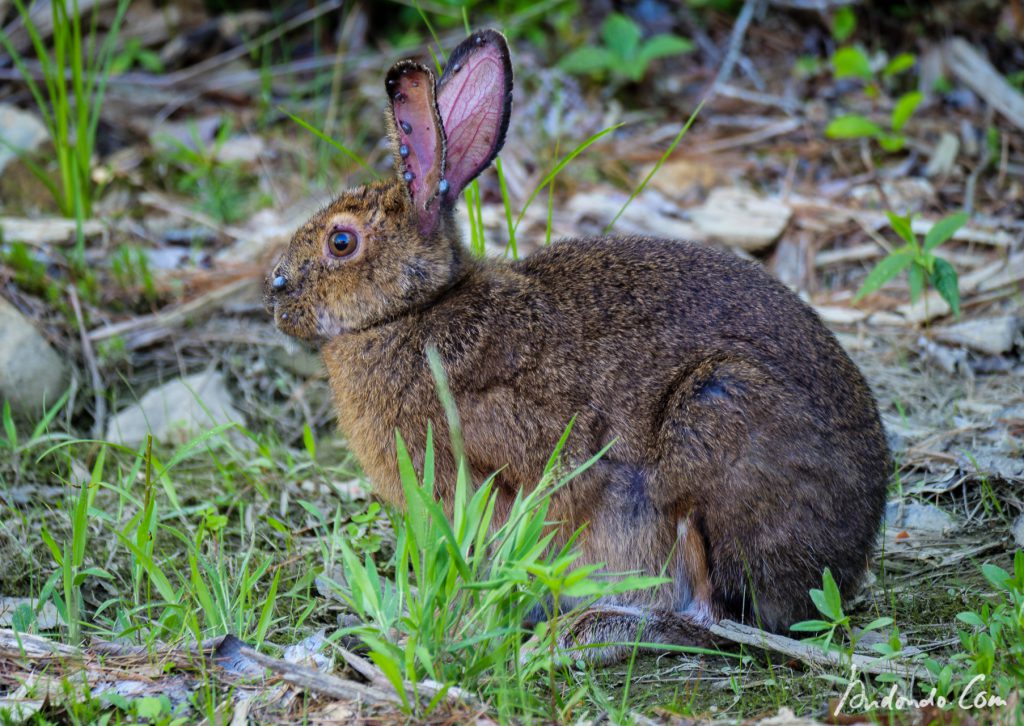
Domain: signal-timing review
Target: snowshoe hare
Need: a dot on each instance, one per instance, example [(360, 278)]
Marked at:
[(748, 453)]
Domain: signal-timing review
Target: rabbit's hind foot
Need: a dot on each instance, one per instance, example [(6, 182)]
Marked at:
[(607, 634)]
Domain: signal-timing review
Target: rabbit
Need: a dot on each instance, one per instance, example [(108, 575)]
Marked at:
[(746, 451)]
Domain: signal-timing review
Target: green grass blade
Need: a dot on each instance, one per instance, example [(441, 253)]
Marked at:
[(586, 143), (337, 145), (661, 161)]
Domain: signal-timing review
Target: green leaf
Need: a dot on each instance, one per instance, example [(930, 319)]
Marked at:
[(832, 596), (891, 142), (971, 618), (621, 36), (945, 280), (588, 61), (851, 63), (901, 226), (943, 230), (996, 575), (904, 109), (877, 623), (844, 22), (902, 62), (915, 280), (810, 626), (661, 46), (309, 441), (852, 127), (884, 271)]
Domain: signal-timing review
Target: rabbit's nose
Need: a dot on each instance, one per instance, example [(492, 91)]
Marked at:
[(279, 283)]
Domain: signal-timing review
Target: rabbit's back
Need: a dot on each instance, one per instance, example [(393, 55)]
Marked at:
[(645, 308)]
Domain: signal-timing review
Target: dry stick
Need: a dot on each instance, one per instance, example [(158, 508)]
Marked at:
[(812, 654), (983, 162), (100, 403), (321, 683), (739, 30), (377, 678), (822, 6), (972, 69)]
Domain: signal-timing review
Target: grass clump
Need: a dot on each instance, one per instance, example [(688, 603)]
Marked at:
[(463, 587), (75, 68)]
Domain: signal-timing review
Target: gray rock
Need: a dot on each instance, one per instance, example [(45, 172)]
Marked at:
[(32, 374), (176, 412), (992, 336), (23, 132), (919, 517), (1018, 530)]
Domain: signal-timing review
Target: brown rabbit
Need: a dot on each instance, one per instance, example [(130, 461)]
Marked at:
[(748, 453)]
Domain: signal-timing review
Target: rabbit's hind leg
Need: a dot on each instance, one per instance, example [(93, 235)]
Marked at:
[(607, 634)]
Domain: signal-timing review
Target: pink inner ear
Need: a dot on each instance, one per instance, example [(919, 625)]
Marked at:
[(474, 99), (421, 142)]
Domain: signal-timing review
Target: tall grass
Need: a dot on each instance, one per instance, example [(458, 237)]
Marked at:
[(75, 67), (465, 585)]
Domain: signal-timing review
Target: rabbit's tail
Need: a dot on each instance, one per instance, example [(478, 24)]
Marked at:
[(610, 633)]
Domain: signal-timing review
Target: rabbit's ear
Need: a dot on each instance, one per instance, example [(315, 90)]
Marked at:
[(474, 97), (417, 138)]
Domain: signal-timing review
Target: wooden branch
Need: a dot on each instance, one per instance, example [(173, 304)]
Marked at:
[(322, 683), (811, 654), (972, 69)]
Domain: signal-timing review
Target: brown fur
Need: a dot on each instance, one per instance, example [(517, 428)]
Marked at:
[(748, 451)]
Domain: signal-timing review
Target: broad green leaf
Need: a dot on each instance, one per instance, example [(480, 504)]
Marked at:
[(877, 623), (621, 36), (852, 127), (661, 46), (844, 22), (810, 626), (901, 226), (902, 62), (832, 596), (945, 280), (971, 618), (884, 271), (588, 61), (904, 109), (915, 280), (995, 575), (943, 230), (309, 441), (891, 142), (821, 601), (851, 63)]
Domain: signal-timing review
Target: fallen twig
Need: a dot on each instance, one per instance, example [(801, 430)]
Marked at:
[(739, 30), (973, 70), (99, 401), (747, 635), (150, 328), (322, 683)]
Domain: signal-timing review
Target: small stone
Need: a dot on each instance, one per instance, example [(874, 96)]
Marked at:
[(919, 517), (944, 157), (23, 132), (241, 150), (175, 412), (991, 336), (741, 218), (1018, 530), (32, 374)]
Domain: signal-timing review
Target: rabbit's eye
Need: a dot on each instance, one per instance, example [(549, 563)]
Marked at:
[(342, 243)]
